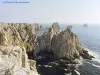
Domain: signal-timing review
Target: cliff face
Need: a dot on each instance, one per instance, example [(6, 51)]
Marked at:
[(45, 39), (16, 40), (14, 61), (19, 34), (66, 44)]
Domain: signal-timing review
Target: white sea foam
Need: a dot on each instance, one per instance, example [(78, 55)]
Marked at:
[(95, 54), (98, 66), (96, 59)]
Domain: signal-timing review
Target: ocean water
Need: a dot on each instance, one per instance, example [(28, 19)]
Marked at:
[(90, 39)]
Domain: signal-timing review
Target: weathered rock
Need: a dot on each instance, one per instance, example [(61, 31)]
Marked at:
[(45, 39), (14, 61), (38, 27), (86, 55), (16, 40), (67, 45), (20, 34), (70, 26)]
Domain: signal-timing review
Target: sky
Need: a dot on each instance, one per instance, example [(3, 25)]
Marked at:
[(49, 11)]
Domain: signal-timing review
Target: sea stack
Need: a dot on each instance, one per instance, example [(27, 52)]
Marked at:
[(67, 45), (45, 40)]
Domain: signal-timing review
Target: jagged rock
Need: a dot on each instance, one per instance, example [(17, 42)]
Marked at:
[(67, 45), (2, 38), (86, 55), (20, 34), (45, 39), (32, 64), (19, 39), (14, 61), (70, 26), (16, 40), (37, 27)]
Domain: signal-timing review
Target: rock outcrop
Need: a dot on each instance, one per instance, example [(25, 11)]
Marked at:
[(45, 39), (16, 40), (67, 45), (20, 34), (64, 44), (14, 61), (19, 40)]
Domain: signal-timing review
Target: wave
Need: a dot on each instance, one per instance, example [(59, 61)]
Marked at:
[(96, 61), (98, 66), (95, 54)]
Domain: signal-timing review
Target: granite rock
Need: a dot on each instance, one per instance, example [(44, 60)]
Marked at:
[(45, 40), (20, 34)]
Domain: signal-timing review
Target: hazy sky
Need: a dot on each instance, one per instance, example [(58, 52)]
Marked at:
[(48, 11)]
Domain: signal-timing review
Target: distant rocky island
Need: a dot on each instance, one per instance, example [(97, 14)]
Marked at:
[(85, 25), (22, 52)]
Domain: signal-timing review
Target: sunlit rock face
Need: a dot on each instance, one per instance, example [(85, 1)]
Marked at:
[(66, 44), (16, 39), (14, 61), (20, 34), (45, 39)]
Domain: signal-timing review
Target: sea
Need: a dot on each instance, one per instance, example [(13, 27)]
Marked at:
[(90, 39)]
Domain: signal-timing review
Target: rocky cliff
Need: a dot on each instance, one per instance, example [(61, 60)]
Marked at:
[(16, 40), (20, 34), (14, 61)]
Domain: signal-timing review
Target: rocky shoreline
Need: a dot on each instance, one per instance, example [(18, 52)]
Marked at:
[(21, 47)]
